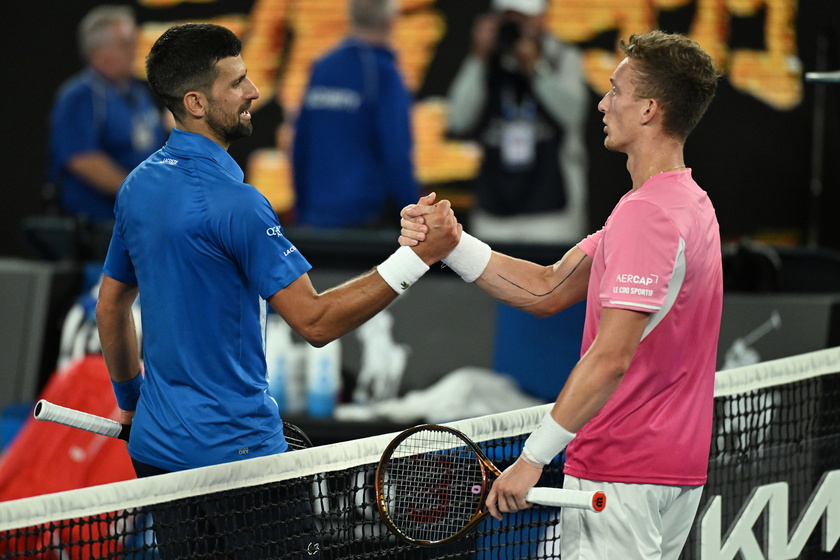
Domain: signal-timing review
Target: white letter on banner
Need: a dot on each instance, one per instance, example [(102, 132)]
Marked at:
[(740, 536), (824, 503)]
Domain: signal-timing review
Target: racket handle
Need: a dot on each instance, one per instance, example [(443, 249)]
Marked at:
[(560, 497), (45, 410)]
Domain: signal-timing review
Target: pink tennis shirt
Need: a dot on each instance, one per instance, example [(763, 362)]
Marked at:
[(659, 252)]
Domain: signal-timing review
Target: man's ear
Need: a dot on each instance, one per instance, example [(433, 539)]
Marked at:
[(195, 103), (649, 111)]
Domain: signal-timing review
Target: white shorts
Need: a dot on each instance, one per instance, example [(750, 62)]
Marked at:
[(640, 522)]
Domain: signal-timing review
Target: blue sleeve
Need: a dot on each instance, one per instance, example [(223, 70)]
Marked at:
[(73, 125), (393, 125), (252, 234), (118, 263)]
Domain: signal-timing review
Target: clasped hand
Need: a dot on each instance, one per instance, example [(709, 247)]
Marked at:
[(432, 224)]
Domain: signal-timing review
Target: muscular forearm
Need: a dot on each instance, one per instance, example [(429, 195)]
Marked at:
[(539, 290), (98, 170), (118, 337), (117, 332), (322, 318), (588, 388)]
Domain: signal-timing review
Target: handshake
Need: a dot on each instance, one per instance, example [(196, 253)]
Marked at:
[(434, 225)]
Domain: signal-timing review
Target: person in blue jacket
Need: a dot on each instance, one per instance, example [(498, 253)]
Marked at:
[(104, 120), (352, 150), (206, 254)]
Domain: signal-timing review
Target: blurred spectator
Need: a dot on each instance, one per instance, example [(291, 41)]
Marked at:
[(521, 94), (352, 150), (104, 121)]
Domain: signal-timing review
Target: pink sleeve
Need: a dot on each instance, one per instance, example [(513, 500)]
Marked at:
[(589, 244), (641, 246)]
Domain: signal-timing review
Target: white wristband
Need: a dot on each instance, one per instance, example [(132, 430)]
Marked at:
[(469, 258), (549, 439), (402, 269)]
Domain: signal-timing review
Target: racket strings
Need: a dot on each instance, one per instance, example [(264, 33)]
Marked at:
[(433, 485), (295, 437)]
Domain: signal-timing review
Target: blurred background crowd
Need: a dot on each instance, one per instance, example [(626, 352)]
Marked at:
[(763, 152)]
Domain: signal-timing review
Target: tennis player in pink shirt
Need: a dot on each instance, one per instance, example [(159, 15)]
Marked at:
[(635, 415)]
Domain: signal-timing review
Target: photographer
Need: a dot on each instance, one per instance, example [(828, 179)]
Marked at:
[(521, 94)]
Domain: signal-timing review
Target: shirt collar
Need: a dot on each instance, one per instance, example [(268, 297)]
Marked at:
[(354, 42), (199, 145)]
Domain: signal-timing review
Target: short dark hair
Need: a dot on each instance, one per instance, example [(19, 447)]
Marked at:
[(675, 71), (184, 59)]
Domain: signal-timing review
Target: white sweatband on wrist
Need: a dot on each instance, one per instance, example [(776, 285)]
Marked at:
[(402, 269), (469, 258), (546, 442)]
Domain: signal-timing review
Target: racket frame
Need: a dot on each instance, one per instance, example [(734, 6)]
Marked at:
[(489, 471)]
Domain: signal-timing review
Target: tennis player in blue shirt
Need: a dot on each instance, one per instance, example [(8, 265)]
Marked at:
[(204, 252)]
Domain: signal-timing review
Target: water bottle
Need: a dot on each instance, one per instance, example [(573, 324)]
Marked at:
[(277, 383), (323, 379), (280, 360)]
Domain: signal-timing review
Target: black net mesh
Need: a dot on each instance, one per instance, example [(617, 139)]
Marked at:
[(782, 433), (788, 433), (325, 515)]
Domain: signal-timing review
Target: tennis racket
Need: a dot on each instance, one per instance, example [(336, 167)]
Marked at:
[(432, 482), (45, 410)]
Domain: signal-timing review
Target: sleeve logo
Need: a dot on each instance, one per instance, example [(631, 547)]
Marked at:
[(634, 279), (637, 281)]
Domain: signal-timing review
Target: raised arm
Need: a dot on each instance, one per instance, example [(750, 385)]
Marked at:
[(322, 317), (536, 289), (539, 290)]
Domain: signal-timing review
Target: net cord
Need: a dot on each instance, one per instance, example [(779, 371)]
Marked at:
[(777, 372), (83, 502)]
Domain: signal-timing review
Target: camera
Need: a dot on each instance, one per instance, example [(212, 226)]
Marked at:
[(509, 33)]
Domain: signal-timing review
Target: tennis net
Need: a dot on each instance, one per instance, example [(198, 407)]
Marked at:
[(777, 434)]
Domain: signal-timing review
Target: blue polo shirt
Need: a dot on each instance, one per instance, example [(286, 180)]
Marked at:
[(352, 152), (206, 250), (92, 114)]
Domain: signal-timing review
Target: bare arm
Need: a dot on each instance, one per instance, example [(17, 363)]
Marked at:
[(98, 170), (590, 385), (539, 290), (117, 332), (598, 373), (322, 317)]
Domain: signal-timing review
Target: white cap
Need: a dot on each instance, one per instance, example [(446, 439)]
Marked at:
[(527, 7)]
